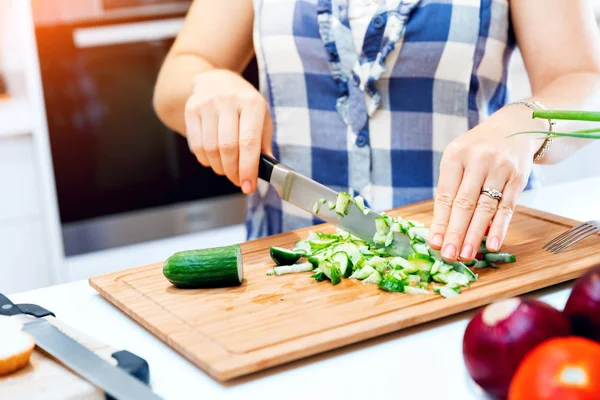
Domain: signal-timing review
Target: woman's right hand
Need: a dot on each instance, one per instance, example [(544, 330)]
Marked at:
[(228, 133)]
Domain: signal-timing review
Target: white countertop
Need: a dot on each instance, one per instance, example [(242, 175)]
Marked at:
[(424, 362)]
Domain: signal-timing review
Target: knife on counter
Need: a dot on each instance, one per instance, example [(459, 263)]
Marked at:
[(303, 192), (122, 382)]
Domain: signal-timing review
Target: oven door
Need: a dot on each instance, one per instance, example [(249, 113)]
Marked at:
[(121, 176)]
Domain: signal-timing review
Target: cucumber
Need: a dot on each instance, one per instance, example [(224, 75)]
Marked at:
[(341, 260), (291, 269), (342, 204), (499, 257), (330, 271), (283, 256), (420, 248), (359, 201), (205, 268), (481, 264), (415, 290), (391, 284)]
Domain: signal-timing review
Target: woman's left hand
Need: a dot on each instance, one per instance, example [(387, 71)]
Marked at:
[(483, 157)]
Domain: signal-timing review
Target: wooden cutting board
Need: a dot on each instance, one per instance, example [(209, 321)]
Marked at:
[(47, 378), (271, 320)]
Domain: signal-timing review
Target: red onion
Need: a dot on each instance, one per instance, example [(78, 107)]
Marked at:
[(583, 305), (499, 336)]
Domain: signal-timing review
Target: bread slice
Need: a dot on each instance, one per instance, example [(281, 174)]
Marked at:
[(16, 346)]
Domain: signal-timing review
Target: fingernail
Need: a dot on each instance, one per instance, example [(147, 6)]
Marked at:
[(467, 252), (246, 186), (437, 240), (493, 243), (449, 252)]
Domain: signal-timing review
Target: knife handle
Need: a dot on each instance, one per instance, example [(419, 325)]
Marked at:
[(265, 167), (9, 308)]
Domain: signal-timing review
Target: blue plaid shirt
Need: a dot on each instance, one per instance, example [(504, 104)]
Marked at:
[(374, 122)]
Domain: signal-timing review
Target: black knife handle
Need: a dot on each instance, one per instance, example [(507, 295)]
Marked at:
[(9, 308), (265, 167), (133, 365)]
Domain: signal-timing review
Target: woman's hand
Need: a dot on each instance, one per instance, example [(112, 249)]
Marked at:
[(228, 133), (483, 157)]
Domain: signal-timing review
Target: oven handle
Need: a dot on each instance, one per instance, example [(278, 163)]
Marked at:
[(127, 33)]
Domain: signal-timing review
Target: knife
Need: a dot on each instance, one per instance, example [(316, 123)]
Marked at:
[(114, 381), (303, 192)]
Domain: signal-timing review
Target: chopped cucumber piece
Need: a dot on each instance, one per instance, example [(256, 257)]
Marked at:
[(421, 261), (321, 243), (270, 272), (395, 227), (342, 203), (360, 204), (323, 201), (401, 263), (420, 248), (302, 245), (499, 257), (364, 272), (342, 263), (424, 276), (415, 290), (319, 276), (470, 263), (316, 207), (330, 271), (452, 277), (290, 269), (375, 277), (435, 267), (382, 225), (463, 269), (283, 256), (447, 292), (481, 264), (389, 239), (391, 284), (414, 279), (380, 264), (379, 238)]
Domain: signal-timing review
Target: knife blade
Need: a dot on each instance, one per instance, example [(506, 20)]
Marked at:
[(303, 192), (84, 362)]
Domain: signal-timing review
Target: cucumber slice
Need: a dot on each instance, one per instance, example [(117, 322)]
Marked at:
[(499, 257), (382, 225), (291, 269), (330, 271), (463, 269), (452, 277), (420, 231), (435, 267), (391, 284), (481, 264), (321, 243), (363, 273), (302, 245), (205, 268), (414, 279), (401, 263), (331, 205), (380, 264), (448, 292), (421, 261), (424, 276), (343, 264), (316, 207), (283, 256), (342, 204), (319, 276), (415, 290), (359, 201), (375, 277), (421, 248)]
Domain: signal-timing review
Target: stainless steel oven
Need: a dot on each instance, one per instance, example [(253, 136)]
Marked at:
[(121, 176)]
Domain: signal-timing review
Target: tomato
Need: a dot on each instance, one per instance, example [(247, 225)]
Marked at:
[(563, 368)]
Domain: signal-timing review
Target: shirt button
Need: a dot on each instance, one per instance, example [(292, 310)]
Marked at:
[(378, 21), (361, 140)]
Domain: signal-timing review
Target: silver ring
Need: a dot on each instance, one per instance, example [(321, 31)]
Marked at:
[(493, 193)]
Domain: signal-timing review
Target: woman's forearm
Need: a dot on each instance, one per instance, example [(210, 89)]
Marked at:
[(184, 75)]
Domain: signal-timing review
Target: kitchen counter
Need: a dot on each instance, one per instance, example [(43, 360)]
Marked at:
[(417, 363)]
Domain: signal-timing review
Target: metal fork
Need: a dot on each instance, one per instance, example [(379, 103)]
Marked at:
[(572, 236)]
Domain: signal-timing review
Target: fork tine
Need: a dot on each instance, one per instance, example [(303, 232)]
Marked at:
[(577, 239), (570, 238), (566, 235)]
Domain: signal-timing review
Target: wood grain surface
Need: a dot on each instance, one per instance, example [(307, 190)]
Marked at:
[(272, 320)]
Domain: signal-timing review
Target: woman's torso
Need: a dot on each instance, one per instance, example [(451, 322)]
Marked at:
[(373, 122)]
